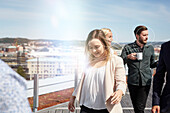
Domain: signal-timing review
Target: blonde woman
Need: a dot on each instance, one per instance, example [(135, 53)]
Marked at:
[(109, 38), (103, 83)]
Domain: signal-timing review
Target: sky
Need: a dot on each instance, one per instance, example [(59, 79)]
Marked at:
[(74, 19)]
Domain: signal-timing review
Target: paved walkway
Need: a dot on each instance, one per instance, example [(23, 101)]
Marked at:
[(126, 104)]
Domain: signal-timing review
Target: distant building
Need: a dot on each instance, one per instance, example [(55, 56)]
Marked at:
[(20, 48), (50, 67), (54, 61), (11, 49), (157, 52)]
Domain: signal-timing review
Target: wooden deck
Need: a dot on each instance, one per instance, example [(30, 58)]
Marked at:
[(126, 104)]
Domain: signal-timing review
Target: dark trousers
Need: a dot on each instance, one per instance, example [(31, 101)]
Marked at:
[(85, 109), (167, 111), (139, 95)]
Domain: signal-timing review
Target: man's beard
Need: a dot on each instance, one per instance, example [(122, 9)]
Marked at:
[(141, 41)]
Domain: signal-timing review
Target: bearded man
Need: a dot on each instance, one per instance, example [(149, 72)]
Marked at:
[(140, 59)]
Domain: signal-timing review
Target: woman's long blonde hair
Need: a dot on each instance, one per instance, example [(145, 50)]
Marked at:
[(97, 34), (106, 30)]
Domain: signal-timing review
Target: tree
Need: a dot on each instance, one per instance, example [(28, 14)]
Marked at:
[(20, 71)]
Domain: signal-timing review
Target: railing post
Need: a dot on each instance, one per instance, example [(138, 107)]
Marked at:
[(75, 85), (35, 98), (36, 82), (76, 73), (76, 78)]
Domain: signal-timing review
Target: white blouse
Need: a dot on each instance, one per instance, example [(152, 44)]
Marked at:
[(112, 51), (92, 95)]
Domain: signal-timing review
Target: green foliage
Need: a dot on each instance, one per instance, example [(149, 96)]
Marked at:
[(20, 71), (14, 40)]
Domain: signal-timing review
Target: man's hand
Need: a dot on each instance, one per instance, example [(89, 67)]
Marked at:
[(132, 56), (156, 109)]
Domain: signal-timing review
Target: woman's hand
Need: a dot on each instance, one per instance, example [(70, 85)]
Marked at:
[(116, 97), (71, 104)]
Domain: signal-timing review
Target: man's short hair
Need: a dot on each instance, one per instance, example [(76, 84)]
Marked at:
[(139, 29)]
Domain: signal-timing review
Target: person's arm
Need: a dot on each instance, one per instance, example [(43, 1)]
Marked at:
[(76, 94), (120, 80), (125, 55), (71, 106), (13, 91), (153, 64), (159, 79)]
